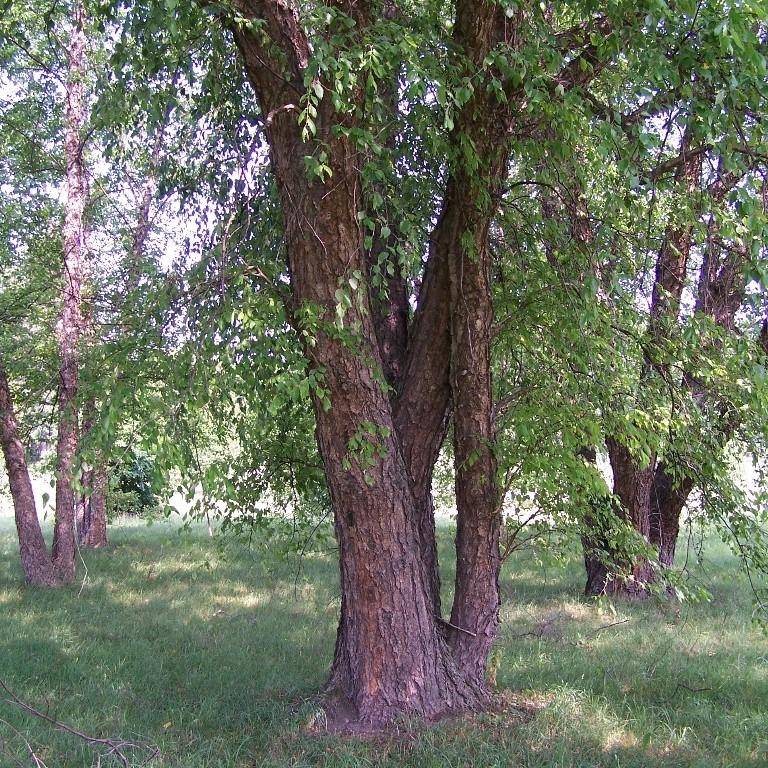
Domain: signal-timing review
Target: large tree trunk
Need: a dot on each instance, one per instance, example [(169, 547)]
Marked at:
[(391, 654), (477, 599), (34, 554), (69, 325), (632, 484), (390, 658), (719, 294)]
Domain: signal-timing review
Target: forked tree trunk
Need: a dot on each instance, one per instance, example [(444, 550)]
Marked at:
[(391, 654), (34, 554), (69, 326), (394, 653), (720, 292)]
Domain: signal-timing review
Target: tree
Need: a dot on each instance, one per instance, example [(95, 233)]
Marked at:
[(61, 566), (69, 327), (389, 296), (710, 243), (34, 554)]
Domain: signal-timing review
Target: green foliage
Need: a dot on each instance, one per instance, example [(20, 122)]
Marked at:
[(201, 355), (131, 492)]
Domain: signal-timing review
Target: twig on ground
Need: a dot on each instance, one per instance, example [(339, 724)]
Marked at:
[(612, 624), (36, 761), (114, 746), (683, 686)]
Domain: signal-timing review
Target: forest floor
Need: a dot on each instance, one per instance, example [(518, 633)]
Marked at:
[(214, 655)]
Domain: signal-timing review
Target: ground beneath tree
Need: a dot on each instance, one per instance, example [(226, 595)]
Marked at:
[(217, 657)]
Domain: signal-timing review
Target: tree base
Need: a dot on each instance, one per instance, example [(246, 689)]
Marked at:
[(336, 714)]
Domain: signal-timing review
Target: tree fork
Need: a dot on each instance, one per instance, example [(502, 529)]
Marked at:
[(390, 657)]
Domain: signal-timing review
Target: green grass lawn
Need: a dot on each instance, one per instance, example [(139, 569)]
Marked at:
[(216, 656)]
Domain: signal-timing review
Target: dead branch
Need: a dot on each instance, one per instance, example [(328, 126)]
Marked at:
[(612, 624), (114, 747)]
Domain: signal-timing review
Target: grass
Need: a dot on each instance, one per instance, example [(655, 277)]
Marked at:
[(215, 656)]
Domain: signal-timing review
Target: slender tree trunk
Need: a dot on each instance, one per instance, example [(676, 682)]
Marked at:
[(69, 325), (34, 553), (94, 534), (91, 513), (477, 597)]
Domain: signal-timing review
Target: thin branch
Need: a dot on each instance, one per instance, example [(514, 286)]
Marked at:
[(114, 746), (454, 626), (607, 626)]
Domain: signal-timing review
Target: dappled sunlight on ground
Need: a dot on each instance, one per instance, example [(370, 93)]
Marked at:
[(216, 654)]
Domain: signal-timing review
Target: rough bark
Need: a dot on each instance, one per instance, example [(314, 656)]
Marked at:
[(94, 531), (479, 26), (415, 360), (32, 548), (632, 485), (477, 599), (390, 658), (422, 407), (391, 655), (69, 324)]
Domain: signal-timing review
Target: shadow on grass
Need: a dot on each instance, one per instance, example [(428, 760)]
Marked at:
[(216, 656)]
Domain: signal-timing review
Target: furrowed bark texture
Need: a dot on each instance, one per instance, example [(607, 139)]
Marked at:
[(415, 361), (69, 325), (390, 658), (391, 653), (422, 407), (93, 533), (34, 553), (632, 484), (91, 512)]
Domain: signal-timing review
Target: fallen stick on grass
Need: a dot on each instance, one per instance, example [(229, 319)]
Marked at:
[(114, 747)]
